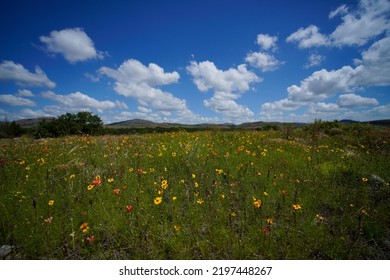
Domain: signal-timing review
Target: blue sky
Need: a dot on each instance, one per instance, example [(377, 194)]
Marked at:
[(196, 61)]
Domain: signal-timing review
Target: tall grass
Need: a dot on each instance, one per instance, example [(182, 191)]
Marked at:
[(204, 195)]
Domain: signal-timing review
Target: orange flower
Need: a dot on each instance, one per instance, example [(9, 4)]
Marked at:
[(97, 181), (116, 191), (129, 208)]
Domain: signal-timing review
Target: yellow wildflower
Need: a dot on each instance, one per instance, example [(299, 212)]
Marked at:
[(200, 201), (84, 227), (51, 202), (158, 200), (297, 206)]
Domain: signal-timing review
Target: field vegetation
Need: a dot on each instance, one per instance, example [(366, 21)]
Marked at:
[(316, 192)]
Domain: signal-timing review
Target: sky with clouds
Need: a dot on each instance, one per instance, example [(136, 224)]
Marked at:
[(203, 61)]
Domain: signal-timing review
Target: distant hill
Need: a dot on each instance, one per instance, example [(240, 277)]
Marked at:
[(28, 123), (140, 123)]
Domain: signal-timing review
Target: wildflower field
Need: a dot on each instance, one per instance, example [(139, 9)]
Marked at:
[(200, 195)]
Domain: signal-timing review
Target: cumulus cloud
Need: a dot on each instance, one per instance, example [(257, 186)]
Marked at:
[(264, 61), (135, 80), (352, 100), (78, 101), (207, 76), (309, 37), (314, 60), (11, 71), (267, 42), (370, 70), (24, 93), (12, 100), (358, 27), (73, 43), (227, 86)]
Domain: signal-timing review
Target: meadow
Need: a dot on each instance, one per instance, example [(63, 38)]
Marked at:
[(200, 195)]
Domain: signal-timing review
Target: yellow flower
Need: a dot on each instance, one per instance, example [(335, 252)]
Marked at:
[(270, 221), (222, 196), (364, 212), (90, 187), (51, 202), (174, 154), (233, 214), (219, 171), (72, 176), (174, 198), (200, 201), (320, 218), (265, 193), (196, 184), (22, 162), (164, 184), (364, 179), (193, 176), (297, 206), (110, 180), (41, 161), (28, 168), (84, 227), (177, 228), (158, 200), (257, 203), (131, 169)]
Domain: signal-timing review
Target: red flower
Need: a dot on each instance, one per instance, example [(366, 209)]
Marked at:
[(116, 191), (129, 208), (90, 239), (266, 230), (97, 181), (139, 171), (284, 192)]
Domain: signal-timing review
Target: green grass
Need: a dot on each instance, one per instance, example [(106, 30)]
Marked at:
[(340, 184)]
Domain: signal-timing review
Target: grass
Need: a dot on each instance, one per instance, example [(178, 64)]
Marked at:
[(203, 195)]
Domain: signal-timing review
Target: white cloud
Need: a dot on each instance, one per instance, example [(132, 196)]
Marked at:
[(352, 100), (135, 80), (78, 101), (24, 93), (341, 10), (73, 43), (11, 71), (227, 86), (264, 61), (374, 66), (321, 107), (267, 42), (370, 70), (12, 100), (314, 60), (358, 27), (207, 76), (323, 84), (309, 37)]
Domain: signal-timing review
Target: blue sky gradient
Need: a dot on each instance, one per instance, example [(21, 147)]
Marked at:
[(196, 61)]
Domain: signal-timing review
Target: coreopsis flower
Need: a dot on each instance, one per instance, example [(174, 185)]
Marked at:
[(157, 200)]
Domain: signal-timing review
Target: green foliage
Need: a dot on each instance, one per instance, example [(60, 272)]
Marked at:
[(70, 124), (10, 130), (98, 197)]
